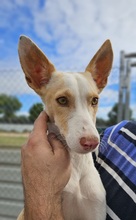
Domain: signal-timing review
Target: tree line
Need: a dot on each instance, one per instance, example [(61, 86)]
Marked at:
[(9, 105)]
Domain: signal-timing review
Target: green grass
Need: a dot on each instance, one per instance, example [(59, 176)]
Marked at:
[(12, 141)]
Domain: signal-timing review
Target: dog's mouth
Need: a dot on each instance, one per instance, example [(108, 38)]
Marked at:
[(86, 149), (90, 148)]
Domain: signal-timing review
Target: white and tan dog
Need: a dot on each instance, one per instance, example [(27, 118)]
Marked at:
[(71, 101)]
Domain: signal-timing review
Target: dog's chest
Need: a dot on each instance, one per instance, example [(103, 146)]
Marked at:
[(84, 195), (81, 166)]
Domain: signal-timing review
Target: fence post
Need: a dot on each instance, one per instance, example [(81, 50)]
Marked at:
[(120, 101)]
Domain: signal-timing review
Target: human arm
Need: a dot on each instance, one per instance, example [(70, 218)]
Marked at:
[(45, 172)]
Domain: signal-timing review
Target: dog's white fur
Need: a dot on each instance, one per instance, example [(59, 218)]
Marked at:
[(71, 103)]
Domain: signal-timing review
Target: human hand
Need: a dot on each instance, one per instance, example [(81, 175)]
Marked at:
[(45, 168)]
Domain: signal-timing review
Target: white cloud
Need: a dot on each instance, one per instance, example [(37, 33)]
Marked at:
[(76, 28), (86, 24)]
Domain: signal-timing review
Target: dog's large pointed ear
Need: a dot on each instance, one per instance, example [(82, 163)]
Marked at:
[(101, 64), (37, 68)]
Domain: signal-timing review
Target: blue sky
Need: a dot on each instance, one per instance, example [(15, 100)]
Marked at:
[(69, 32)]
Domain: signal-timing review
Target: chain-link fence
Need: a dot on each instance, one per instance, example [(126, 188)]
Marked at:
[(18, 103), (11, 190), (19, 106)]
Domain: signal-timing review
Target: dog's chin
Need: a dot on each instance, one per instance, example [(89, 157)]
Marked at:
[(80, 150)]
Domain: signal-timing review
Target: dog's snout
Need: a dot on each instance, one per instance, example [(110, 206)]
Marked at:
[(89, 143)]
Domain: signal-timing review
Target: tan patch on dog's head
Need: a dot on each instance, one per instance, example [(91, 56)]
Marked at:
[(58, 113)]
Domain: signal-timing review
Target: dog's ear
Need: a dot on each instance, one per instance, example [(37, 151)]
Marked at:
[(36, 66), (101, 64)]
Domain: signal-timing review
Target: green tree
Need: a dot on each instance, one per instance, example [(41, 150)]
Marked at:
[(8, 106), (35, 111), (100, 122), (112, 115)]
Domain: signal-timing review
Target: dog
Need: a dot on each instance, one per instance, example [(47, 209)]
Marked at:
[(71, 102)]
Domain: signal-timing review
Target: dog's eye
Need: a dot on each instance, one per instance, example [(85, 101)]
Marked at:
[(94, 101), (62, 101)]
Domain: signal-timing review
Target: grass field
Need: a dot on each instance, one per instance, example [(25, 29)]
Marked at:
[(11, 139)]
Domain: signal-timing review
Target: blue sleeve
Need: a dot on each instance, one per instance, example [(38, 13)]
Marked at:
[(116, 163)]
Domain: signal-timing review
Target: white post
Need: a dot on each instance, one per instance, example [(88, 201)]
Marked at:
[(121, 81), (127, 94)]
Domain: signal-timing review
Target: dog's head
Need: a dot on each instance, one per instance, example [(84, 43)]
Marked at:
[(71, 99)]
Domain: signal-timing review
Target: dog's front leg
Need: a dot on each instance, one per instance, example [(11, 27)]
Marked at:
[(93, 196)]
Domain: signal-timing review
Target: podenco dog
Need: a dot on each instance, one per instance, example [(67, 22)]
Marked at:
[(71, 101)]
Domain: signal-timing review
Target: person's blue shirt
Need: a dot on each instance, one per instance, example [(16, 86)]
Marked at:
[(116, 163)]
